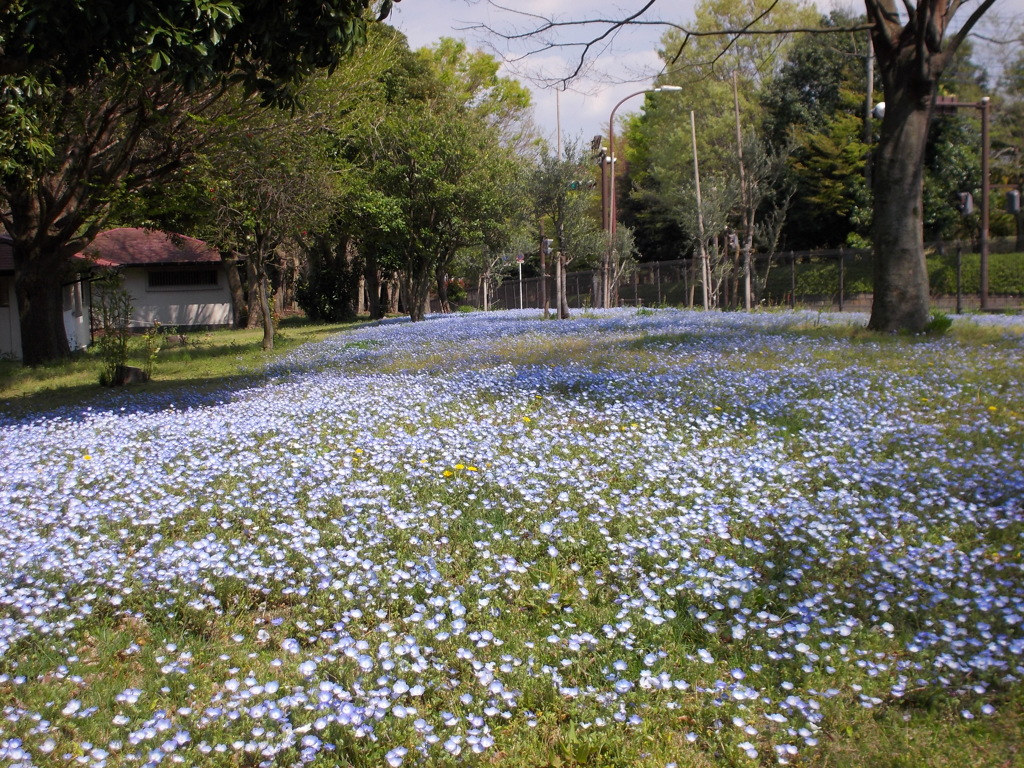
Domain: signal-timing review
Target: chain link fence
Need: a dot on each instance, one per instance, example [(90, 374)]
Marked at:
[(838, 279)]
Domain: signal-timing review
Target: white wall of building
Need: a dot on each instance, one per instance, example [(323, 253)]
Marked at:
[(10, 328), (76, 314), (179, 307)]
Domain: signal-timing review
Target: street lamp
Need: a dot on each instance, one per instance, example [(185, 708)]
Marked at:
[(611, 149)]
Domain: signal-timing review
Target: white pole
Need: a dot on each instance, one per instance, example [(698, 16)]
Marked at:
[(748, 214), (520, 285), (705, 271)]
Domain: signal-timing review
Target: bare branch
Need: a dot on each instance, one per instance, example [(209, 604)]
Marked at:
[(545, 25), (549, 24), (911, 10), (734, 36), (965, 30)]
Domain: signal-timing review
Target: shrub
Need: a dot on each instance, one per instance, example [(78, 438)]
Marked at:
[(939, 324), (330, 288), (114, 305), (152, 341)]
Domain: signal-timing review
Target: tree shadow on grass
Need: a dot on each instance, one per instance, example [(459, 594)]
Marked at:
[(75, 403), (235, 366)]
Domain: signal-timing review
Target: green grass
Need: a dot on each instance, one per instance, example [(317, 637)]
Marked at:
[(201, 359)]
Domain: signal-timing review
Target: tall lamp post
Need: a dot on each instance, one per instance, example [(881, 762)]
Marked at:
[(611, 148), (612, 207)]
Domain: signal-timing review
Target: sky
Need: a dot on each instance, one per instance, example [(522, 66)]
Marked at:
[(626, 64)]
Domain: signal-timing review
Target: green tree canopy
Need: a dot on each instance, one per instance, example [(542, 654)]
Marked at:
[(438, 174), (86, 116)]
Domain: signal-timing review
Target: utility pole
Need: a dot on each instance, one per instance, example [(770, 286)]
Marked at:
[(601, 153), (543, 270), (984, 106), (748, 225), (705, 270)]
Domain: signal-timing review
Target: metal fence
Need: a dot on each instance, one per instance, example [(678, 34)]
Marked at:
[(839, 279)]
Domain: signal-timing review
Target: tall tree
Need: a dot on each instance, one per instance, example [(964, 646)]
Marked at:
[(816, 105), (263, 198), (723, 87), (913, 52), (442, 184), (110, 136), (912, 49), (87, 86), (439, 175)]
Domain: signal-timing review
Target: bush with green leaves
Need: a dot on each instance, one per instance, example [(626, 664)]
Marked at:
[(112, 307)]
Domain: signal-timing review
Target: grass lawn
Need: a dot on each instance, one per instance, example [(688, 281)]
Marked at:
[(635, 538), (201, 359)]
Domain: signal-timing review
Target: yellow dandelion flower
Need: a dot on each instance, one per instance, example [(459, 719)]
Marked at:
[(359, 450), (447, 473), (992, 408), (526, 418), (87, 457), (460, 466), (472, 469)]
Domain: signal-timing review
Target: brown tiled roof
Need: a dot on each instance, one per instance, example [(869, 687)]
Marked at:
[(133, 247), (7, 257)]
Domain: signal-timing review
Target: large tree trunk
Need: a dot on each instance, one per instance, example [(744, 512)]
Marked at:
[(908, 43), (261, 282), (351, 267), (441, 278), (267, 312), (41, 258), (417, 289), (238, 304), (393, 293), (900, 271), (40, 311), (252, 279), (371, 276)]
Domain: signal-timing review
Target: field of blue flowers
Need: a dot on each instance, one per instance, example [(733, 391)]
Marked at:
[(632, 538)]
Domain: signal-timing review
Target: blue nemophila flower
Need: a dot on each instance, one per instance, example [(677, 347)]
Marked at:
[(731, 485)]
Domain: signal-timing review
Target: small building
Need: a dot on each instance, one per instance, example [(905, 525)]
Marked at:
[(74, 293), (173, 280)]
